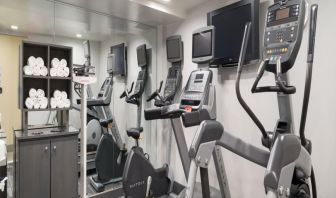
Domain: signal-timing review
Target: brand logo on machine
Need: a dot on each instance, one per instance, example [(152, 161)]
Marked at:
[(138, 184)]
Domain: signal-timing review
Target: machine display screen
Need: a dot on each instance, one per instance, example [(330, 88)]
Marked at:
[(199, 78), (282, 14), (142, 55), (202, 44), (173, 48)]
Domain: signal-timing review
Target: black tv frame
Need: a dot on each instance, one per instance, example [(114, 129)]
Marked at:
[(255, 35), (125, 56)]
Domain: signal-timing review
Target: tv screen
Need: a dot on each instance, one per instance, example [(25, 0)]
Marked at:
[(142, 55), (174, 49), (230, 23), (117, 60), (202, 44)]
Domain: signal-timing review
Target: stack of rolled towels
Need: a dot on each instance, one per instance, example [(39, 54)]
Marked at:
[(35, 67), (60, 100), (59, 68), (36, 99)]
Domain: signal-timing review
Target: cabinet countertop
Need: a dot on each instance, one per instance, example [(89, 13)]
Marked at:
[(44, 132)]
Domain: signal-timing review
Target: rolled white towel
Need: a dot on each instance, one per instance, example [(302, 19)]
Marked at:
[(39, 62), (32, 93), (61, 103), (53, 72), (55, 62), (36, 103), (28, 70), (63, 63), (44, 71), (57, 94), (64, 95), (44, 102), (67, 103), (31, 61), (29, 103), (53, 103), (36, 71), (40, 93), (59, 72), (66, 71)]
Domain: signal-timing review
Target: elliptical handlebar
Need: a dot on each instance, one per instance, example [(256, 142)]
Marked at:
[(310, 60), (239, 71), (281, 87)]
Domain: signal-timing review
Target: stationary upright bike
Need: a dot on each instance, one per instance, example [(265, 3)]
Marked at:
[(138, 168), (111, 152)]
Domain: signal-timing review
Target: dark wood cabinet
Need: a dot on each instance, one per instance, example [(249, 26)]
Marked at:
[(46, 164), (34, 169), (63, 163)]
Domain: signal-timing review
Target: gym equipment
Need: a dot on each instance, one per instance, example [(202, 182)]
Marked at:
[(174, 77), (288, 161), (173, 83), (111, 153), (161, 178), (135, 98), (199, 93)]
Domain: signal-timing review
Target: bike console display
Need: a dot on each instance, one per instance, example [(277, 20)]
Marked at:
[(196, 92), (283, 33)]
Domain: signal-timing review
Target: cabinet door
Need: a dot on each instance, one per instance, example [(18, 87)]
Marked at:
[(34, 169), (64, 174)]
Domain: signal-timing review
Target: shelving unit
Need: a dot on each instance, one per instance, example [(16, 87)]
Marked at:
[(47, 83)]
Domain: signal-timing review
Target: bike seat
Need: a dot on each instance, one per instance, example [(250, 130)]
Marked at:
[(134, 132), (105, 122)]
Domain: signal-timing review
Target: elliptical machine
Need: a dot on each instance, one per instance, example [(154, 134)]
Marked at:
[(288, 161)]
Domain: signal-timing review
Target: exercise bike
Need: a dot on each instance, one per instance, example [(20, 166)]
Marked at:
[(160, 180), (288, 158), (199, 93)]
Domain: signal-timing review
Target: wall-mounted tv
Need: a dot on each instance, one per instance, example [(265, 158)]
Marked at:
[(117, 63), (229, 25)]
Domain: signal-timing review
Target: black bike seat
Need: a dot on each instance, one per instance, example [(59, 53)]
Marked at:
[(134, 132), (105, 122)]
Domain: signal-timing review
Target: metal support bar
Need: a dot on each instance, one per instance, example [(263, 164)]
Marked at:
[(221, 173), (181, 144), (205, 182), (285, 105), (83, 144)]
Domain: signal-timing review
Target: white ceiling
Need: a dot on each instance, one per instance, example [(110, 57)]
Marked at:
[(94, 19)]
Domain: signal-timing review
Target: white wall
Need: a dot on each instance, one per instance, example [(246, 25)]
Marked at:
[(246, 178)]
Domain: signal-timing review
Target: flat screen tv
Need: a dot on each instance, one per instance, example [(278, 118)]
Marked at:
[(117, 63), (229, 25)]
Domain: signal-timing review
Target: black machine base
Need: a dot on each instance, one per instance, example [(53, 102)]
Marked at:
[(100, 186)]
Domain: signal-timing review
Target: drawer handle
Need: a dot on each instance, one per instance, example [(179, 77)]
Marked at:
[(55, 148), (46, 148)]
